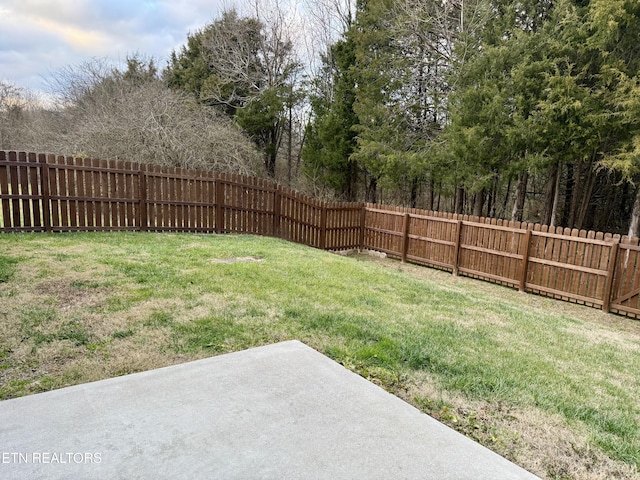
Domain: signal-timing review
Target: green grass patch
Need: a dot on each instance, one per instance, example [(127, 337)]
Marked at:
[(7, 268), (177, 297)]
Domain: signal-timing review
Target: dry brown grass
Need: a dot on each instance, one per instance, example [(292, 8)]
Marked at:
[(540, 442)]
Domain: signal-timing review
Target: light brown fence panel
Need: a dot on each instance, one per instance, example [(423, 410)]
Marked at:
[(431, 241), (480, 254), (383, 231), (343, 223), (626, 285), (591, 278), (567, 253)]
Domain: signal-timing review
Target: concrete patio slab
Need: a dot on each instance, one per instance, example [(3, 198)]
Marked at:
[(277, 412)]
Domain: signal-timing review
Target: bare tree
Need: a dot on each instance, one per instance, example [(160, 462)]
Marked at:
[(253, 73), (131, 115), (14, 106)]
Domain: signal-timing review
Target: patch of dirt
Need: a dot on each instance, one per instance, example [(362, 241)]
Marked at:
[(75, 294), (237, 260)]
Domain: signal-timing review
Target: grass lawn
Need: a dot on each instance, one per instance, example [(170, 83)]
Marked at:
[(554, 387)]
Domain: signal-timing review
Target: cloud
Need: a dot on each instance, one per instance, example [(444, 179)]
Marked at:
[(40, 36)]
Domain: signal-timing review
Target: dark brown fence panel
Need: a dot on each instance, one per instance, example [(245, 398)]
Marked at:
[(89, 194), (300, 218), (247, 204), (20, 192), (176, 199), (6, 194)]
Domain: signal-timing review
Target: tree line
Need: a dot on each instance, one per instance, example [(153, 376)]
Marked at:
[(523, 110)]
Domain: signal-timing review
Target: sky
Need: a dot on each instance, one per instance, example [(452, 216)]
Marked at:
[(40, 37)]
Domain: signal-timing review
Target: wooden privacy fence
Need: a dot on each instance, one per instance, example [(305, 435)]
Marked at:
[(48, 193), (591, 268)]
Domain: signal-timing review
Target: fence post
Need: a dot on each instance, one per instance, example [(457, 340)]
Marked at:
[(456, 253), (613, 263), (405, 236), (323, 226), (44, 190), (277, 208), (525, 260), (363, 219), (143, 220), (219, 205)]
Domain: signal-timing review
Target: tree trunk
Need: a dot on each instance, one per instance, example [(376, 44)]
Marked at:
[(270, 164), (350, 190), (556, 199), (634, 224), (372, 190), (290, 145), (459, 200), (414, 192), (577, 190), (492, 206), (478, 203), (271, 152), (568, 195), (585, 202), (549, 194), (605, 204), (505, 201), (430, 195), (520, 197)]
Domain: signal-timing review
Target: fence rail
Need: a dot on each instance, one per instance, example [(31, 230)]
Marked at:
[(49, 193)]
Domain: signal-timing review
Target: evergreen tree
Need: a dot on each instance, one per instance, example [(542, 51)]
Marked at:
[(331, 135)]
